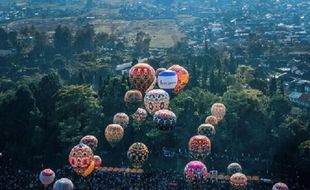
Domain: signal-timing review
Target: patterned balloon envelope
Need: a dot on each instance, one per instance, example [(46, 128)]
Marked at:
[(63, 184), (218, 110), (140, 115), (137, 154), (280, 186), (89, 169), (114, 133), (155, 100), (80, 157), (158, 71), (183, 77), (122, 119), (167, 80), (133, 96), (207, 130), (211, 120), (238, 181), (195, 173), (47, 176), (165, 119), (90, 141), (97, 161), (199, 147), (141, 76), (234, 168)]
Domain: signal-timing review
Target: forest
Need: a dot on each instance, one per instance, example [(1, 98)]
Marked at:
[(69, 88)]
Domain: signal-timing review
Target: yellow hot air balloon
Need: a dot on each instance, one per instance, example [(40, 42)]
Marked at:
[(114, 133)]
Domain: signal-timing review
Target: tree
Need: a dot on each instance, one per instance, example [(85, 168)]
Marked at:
[(84, 39), (63, 40), (142, 44), (78, 113), (3, 39)]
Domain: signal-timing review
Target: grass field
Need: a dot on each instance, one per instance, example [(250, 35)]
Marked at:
[(164, 33)]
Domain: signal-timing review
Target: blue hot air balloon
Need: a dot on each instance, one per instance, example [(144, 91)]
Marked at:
[(167, 80)]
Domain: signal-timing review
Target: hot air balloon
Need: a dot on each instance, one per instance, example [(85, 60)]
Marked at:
[(183, 77), (89, 169), (234, 168), (207, 130), (158, 71), (80, 158), (165, 119), (195, 173), (155, 100), (90, 141), (140, 115), (218, 110), (211, 120), (199, 147), (238, 181), (47, 176), (137, 154), (167, 80), (141, 76), (122, 119), (114, 133), (280, 186), (97, 161), (63, 184), (133, 96)]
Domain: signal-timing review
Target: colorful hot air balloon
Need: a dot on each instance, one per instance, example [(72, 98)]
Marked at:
[(183, 77), (137, 154), (97, 161), (167, 80), (122, 119), (47, 176), (234, 168), (155, 100), (218, 110), (133, 96), (140, 115), (211, 120), (199, 147), (141, 76), (238, 181), (114, 133), (63, 184), (207, 130), (195, 173), (80, 158), (165, 119), (280, 186), (158, 71), (90, 141)]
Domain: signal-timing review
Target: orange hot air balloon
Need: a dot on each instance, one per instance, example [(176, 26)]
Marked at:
[(114, 133), (211, 120), (183, 77), (199, 147), (133, 96), (142, 76), (218, 110), (238, 181), (89, 170)]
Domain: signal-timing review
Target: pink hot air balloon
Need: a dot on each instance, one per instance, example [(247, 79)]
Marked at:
[(195, 173), (98, 161)]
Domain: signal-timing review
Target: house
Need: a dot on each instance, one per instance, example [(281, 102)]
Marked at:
[(294, 96)]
